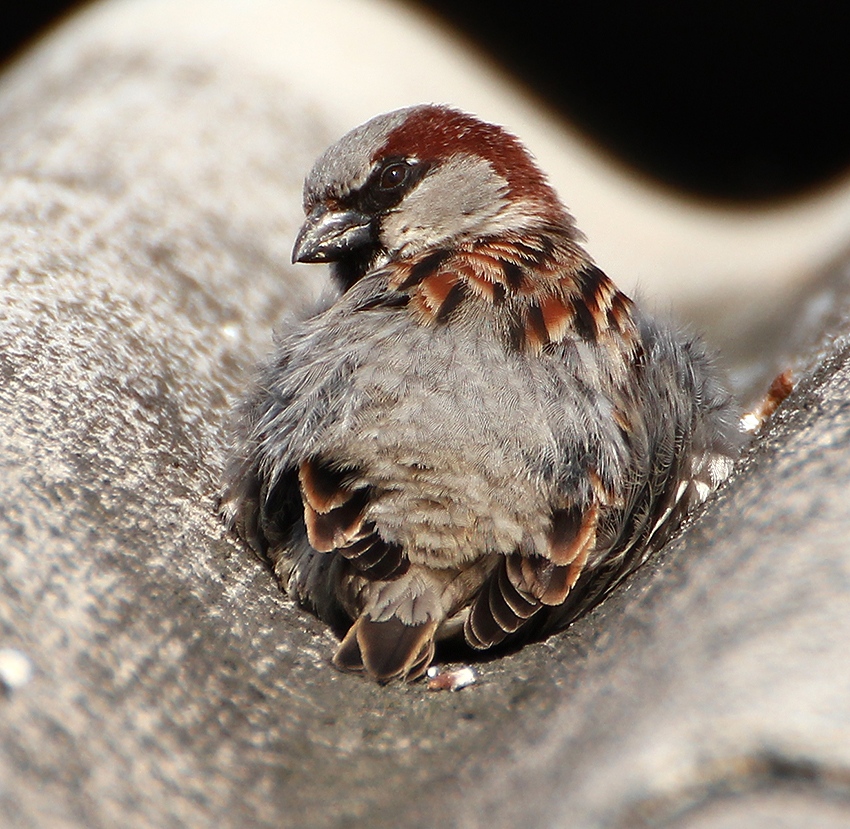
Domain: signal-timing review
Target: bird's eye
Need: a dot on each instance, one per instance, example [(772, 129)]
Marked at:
[(394, 175)]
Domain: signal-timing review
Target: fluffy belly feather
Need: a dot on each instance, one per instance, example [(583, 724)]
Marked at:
[(447, 510)]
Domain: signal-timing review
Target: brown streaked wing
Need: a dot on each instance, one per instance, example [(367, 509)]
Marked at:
[(375, 558), (557, 317), (542, 579), (408, 275), (481, 628), (332, 530), (571, 532), (333, 512), (323, 488), (499, 609)]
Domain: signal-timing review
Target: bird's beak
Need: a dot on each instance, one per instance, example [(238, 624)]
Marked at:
[(328, 235)]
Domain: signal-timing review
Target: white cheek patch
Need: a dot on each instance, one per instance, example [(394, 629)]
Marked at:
[(461, 198)]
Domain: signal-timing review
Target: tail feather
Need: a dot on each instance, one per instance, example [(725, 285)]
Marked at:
[(387, 650)]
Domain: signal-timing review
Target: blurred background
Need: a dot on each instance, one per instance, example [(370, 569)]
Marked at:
[(740, 101)]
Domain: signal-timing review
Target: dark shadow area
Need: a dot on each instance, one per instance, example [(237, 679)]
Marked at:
[(730, 100), (23, 22)]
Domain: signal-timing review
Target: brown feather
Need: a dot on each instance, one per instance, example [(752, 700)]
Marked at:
[(559, 580), (521, 604), (519, 570), (543, 580), (583, 320), (321, 486), (480, 286), (503, 611), (557, 316), (452, 300), (481, 628), (338, 527), (577, 566), (603, 491), (409, 274), (555, 289), (387, 650), (420, 666), (536, 333), (554, 584), (375, 558), (556, 292), (619, 314), (347, 656), (436, 288), (571, 532), (499, 609)]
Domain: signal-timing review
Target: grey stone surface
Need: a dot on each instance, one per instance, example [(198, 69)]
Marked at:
[(147, 205)]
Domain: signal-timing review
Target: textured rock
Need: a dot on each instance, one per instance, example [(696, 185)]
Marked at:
[(149, 193)]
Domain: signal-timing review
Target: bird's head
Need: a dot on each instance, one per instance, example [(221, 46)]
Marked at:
[(418, 179)]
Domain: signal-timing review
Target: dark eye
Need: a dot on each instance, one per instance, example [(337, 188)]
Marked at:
[(394, 175)]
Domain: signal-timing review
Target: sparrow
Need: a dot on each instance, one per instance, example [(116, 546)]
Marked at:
[(480, 435)]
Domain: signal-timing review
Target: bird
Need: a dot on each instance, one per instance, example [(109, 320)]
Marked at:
[(478, 435)]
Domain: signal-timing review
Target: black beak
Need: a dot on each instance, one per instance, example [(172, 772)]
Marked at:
[(329, 235)]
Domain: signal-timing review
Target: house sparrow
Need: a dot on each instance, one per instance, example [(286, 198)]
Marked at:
[(481, 435)]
